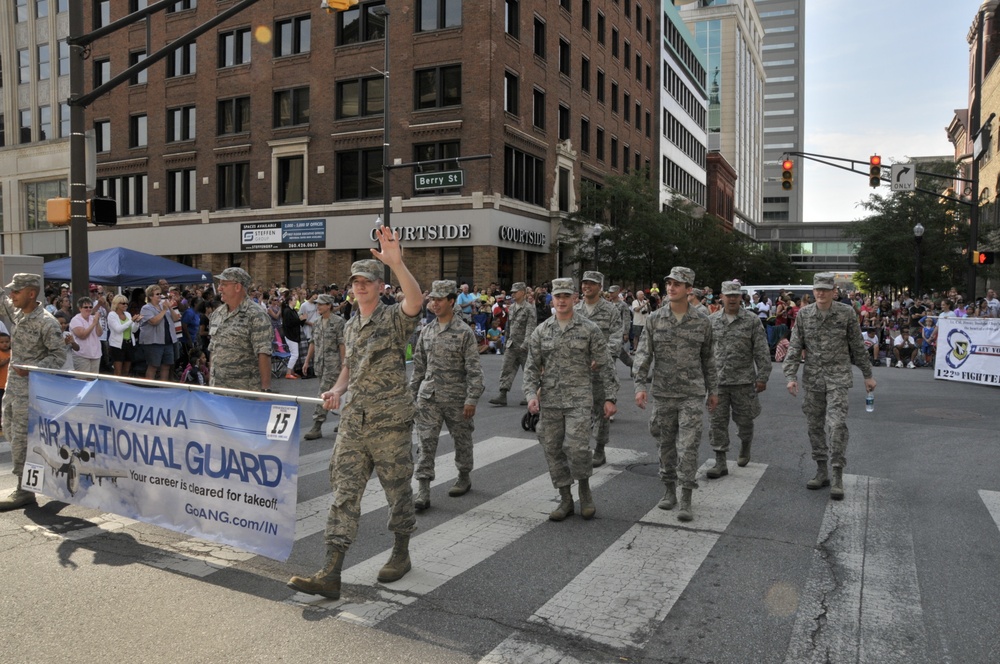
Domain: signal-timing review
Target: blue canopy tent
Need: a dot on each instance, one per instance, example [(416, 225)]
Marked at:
[(126, 267)]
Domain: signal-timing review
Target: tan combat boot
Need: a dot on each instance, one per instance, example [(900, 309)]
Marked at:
[(399, 561), (500, 399), (17, 499), (837, 488), (744, 457), (587, 509), (316, 432), (685, 513), (565, 505), (462, 485), (669, 496), (599, 457), (423, 498), (821, 480), (720, 468), (325, 582)]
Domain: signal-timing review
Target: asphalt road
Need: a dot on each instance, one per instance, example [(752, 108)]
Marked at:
[(904, 569)]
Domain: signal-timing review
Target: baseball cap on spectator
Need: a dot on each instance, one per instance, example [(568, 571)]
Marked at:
[(64, 285)]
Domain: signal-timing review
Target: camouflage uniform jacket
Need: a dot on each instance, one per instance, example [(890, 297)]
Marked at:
[(559, 362), (832, 341), (626, 315), (238, 336), (520, 324), (741, 351), (446, 364), (375, 352), (35, 340), (685, 363), (328, 335), (608, 318)]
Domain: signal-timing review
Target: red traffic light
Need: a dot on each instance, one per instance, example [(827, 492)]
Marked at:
[(787, 174), (787, 164), (875, 160), (983, 257), (874, 171)]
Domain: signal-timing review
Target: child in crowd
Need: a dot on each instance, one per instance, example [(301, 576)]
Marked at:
[(196, 371), (928, 339), (495, 339), (68, 338)]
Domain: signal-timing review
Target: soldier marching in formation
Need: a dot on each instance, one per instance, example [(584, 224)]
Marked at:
[(520, 323), (326, 356)]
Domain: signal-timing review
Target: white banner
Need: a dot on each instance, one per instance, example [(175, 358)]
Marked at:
[(968, 350), (215, 467)]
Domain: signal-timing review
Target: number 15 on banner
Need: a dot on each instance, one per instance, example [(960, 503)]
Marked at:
[(281, 422), (33, 476)]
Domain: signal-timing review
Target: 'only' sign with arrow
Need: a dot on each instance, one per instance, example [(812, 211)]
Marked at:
[(903, 177)]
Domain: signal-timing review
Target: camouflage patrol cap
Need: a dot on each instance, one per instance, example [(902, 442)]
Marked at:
[(697, 292), (823, 281), (325, 299), (237, 274), (518, 286), (682, 274), (368, 268), (614, 289), (443, 288), (593, 275), (564, 285), (24, 280), (731, 288)]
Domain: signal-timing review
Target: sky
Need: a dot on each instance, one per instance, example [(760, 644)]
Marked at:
[(881, 77)]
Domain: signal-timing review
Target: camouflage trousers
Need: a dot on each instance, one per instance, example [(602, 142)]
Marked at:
[(601, 425), (827, 411), (15, 427), (564, 434), (512, 361), (366, 442), (738, 400), (326, 383), (676, 426), (430, 416)]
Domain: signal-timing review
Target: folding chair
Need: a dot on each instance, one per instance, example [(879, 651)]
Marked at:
[(279, 357)]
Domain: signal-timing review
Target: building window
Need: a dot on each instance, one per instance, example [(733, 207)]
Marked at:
[(563, 57), (41, 8), (360, 24), (430, 152), (291, 107), (3, 132), (614, 97), (614, 42), (102, 134), (625, 155), (234, 47), (234, 185), (524, 176), (234, 116), (627, 60), (21, 9), (102, 71), (135, 58), (600, 86), (25, 125), (102, 13), (360, 97), (136, 5), (181, 188), (182, 5), (359, 174), (627, 105), (585, 135), (129, 192), (291, 36), (438, 14), (538, 109), (600, 28), (585, 74), (35, 196), (45, 123), (23, 65), (63, 121), (614, 152), (138, 126), (44, 62), (63, 58), (438, 87), (182, 61), (599, 139), (649, 123), (181, 124), (563, 123), (291, 180), (565, 182), (585, 15), (539, 37), (512, 18), (510, 93), (62, 6)]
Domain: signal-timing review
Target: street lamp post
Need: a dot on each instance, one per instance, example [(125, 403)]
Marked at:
[(918, 236), (598, 229)]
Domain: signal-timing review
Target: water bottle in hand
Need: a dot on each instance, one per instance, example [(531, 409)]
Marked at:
[(870, 402)]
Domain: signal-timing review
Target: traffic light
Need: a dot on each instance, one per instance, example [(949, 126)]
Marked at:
[(874, 171), (337, 5), (787, 174), (983, 257), (57, 211), (102, 211)]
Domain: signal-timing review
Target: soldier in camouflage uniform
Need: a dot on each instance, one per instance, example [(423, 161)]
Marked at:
[(520, 324), (446, 383), (36, 340), (326, 356), (676, 343), (744, 362), (595, 308), (376, 425), (830, 335), (614, 297), (241, 337), (564, 352)]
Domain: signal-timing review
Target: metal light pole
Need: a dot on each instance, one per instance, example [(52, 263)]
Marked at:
[(384, 13), (598, 229), (918, 236)]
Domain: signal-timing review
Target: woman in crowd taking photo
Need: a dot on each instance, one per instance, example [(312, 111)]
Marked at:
[(122, 329)]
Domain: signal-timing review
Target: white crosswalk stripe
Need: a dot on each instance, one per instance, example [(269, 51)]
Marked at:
[(630, 588), (862, 600)]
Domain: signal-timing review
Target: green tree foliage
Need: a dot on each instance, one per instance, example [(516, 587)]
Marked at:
[(640, 243), (886, 245)]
